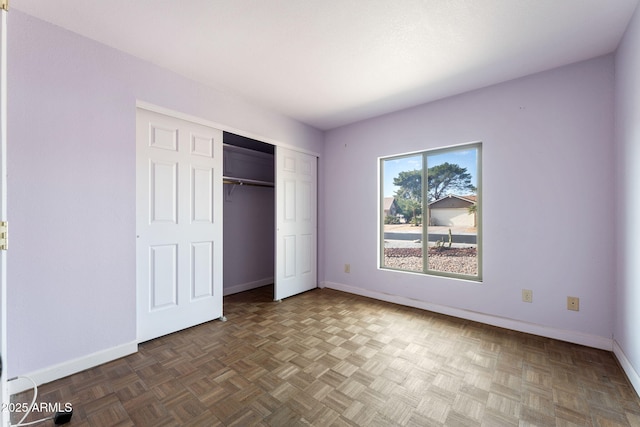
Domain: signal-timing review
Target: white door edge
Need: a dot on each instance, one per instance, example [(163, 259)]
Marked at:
[(4, 389)]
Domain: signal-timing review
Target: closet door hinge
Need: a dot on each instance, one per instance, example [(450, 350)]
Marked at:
[(4, 235), (4, 5)]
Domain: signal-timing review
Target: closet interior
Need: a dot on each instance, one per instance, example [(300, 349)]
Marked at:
[(248, 214)]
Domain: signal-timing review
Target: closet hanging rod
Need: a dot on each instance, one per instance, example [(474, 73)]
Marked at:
[(243, 181)]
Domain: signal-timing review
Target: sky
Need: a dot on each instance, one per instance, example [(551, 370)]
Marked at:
[(465, 158)]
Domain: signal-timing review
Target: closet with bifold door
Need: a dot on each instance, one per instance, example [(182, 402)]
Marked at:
[(270, 231), (248, 214), (216, 214)]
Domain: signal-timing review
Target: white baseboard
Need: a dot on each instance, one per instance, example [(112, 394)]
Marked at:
[(594, 341), (627, 367), (70, 367), (247, 286)]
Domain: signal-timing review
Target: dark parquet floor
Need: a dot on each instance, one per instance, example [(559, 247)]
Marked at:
[(327, 358)]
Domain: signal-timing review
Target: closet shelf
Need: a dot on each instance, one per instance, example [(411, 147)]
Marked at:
[(244, 181)]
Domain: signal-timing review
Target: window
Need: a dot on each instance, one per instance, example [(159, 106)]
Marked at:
[(431, 212)]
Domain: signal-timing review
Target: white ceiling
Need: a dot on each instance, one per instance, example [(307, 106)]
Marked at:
[(332, 62)]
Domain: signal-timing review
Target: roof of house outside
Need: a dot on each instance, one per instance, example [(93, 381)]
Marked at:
[(471, 198), (388, 201)]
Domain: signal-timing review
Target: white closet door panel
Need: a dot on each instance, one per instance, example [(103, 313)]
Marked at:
[(202, 194), (306, 253), (288, 160), (307, 206), (296, 213), (164, 192), (202, 145), (163, 280), (307, 166), (289, 259), (290, 205), (178, 227), (165, 138), (202, 270)]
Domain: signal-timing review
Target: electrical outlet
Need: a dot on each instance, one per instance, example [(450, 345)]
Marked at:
[(573, 303), (527, 295), (347, 268)]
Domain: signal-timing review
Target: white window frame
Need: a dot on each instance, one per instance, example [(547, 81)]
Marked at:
[(425, 223)]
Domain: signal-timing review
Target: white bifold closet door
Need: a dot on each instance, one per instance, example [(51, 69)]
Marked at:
[(296, 223), (179, 224)]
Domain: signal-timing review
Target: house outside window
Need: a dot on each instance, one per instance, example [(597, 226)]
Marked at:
[(431, 212)]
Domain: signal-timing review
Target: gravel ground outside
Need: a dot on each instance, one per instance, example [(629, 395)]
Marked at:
[(451, 260)]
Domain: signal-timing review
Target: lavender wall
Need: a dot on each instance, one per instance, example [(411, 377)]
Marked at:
[(548, 196), (627, 320), (71, 268)]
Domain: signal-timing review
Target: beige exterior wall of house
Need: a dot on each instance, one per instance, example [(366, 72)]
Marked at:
[(454, 217)]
